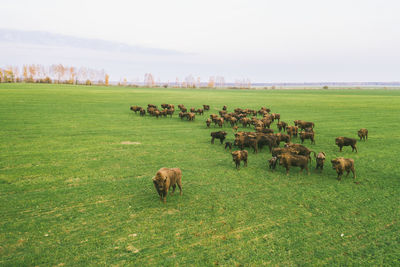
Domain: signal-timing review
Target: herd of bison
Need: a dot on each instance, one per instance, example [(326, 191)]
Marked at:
[(289, 155)]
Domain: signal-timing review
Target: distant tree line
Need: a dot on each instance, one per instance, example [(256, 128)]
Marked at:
[(56, 73)]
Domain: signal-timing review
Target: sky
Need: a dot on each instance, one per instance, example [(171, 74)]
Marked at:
[(264, 41)]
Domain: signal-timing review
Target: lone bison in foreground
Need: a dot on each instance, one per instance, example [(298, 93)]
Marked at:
[(218, 135), (363, 134), (345, 141), (164, 179), (238, 156), (341, 164)]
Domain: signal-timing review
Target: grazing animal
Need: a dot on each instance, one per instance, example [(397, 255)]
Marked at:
[(243, 140), (301, 150), (288, 160), (170, 112), (228, 144), (238, 156), (341, 164), (135, 108), (272, 163), (220, 122), (320, 159), (307, 135), (200, 111), (363, 134), (208, 122), (193, 110), (346, 141), (182, 115), (206, 107), (142, 112), (303, 124), (218, 135), (164, 179), (224, 108)]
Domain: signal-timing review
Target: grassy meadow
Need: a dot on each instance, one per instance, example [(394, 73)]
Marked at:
[(76, 167)]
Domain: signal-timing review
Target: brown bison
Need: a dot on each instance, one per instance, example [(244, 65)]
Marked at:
[(182, 115), (272, 163), (292, 131), (282, 137), (346, 141), (303, 124), (307, 135), (301, 150), (190, 116), (218, 135), (208, 122), (341, 165), (142, 112), (238, 156), (320, 159), (363, 134), (288, 160), (224, 108), (170, 112), (135, 108), (281, 125), (220, 122), (244, 140), (200, 111), (164, 179), (206, 107)]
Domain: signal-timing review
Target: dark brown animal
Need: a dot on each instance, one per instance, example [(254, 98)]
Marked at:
[(206, 107), (208, 122), (341, 165), (292, 131), (224, 108), (238, 156), (200, 111), (164, 179), (218, 135), (363, 134), (320, 159), (303, 124), (266, 140), (272, 163), (276, 116), (282, 137), (135, 108), (220, 122), (301, 150), (281, 125), (193, 110), (142, 112), (190, 116), (242, 141), (151, 106), (228, 144), (346, 141), (307, 135), (170, 112), (288, 160)]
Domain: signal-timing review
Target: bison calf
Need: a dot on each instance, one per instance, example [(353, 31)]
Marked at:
[(320, 158), (238, 156), (341, 165), (345, 141), (164, 179), (363, 134), (272, 163)]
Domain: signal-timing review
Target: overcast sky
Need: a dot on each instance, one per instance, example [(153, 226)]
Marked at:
[(265, 41)]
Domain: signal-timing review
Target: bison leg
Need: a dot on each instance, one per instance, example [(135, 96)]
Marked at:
[(340, 148), (354, 173), (212, 140), (245, 162), (354, 147), (173, 189), (222, 140)]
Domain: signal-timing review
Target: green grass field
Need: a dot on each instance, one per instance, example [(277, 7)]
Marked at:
[(72, 194)]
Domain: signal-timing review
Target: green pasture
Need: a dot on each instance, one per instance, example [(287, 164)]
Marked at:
[(73, 193)]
